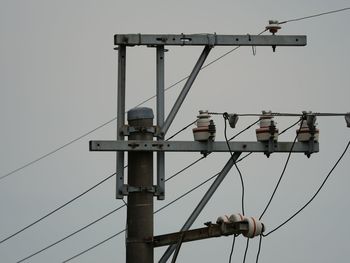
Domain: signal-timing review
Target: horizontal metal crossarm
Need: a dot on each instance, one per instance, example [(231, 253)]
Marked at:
[(213, 230), (194, 146), (209, 39)]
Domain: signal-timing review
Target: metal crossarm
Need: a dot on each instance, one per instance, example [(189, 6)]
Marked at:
[(209, 40), (213, 230), (194, 146)]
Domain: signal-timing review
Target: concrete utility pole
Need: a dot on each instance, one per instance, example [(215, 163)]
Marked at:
[(141, 144), (140, 185)]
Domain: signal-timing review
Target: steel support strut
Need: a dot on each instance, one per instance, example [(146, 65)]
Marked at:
[(120, 118), (203, 202), (185, 89), (160, 121)]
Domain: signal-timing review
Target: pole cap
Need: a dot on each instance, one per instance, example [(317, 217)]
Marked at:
[(140, 113)]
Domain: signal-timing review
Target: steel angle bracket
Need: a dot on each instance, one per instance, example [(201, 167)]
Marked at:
[(208, 40), (194, 146)]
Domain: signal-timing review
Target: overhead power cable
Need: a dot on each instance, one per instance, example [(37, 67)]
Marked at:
[(246, 250), (315, 15), (113, 119), (232, 248), (225, 116), (158, 210), (72, 234), (287, 114), (56, 150), (259, 249), (104, 216), (171, 86), (314, 196), (88, 190), (57, 209)]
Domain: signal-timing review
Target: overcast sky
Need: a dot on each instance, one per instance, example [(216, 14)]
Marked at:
[(58, 81)]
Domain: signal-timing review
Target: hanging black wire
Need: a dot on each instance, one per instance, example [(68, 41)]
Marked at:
[(72, 234), (283, 171), (246, 250), (225, 116), (259, 249), (57, 209), (314, 196), (232, 248)]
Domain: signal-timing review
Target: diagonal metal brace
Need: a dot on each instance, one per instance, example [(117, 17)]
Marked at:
[(185, 90)]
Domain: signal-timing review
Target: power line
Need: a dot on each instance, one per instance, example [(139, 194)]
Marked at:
[(110, 121), (98, 244), (246, 250), (315, 15), (85, 192), (313, 197), (57, 209), (225, 116), (287, 114), (106, 215), (152, 97), (160, 209), (68, 236), (113, 119), (184, 128), (56, 150), (232, 248), (283, 171), (259, 249)]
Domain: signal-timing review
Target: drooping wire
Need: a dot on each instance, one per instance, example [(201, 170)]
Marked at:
[(57, 209), (239, 172), (225, 116), (283, 171), (155, 212), (246, 250), (315, 15), (232, 247), (72, 234), (314, 196), (259, 249)]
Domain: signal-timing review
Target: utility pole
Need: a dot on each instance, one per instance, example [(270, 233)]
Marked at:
[(141, 144), (140, 185)]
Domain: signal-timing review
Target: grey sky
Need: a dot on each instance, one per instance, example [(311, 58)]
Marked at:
[(58, 81)]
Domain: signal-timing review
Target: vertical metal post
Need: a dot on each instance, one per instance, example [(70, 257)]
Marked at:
[(203, 202), (160, 122), (140, 191), (120, 118)]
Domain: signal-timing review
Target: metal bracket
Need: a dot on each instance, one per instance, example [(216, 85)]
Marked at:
[(126, 130), (206, 147), (139, 189)]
